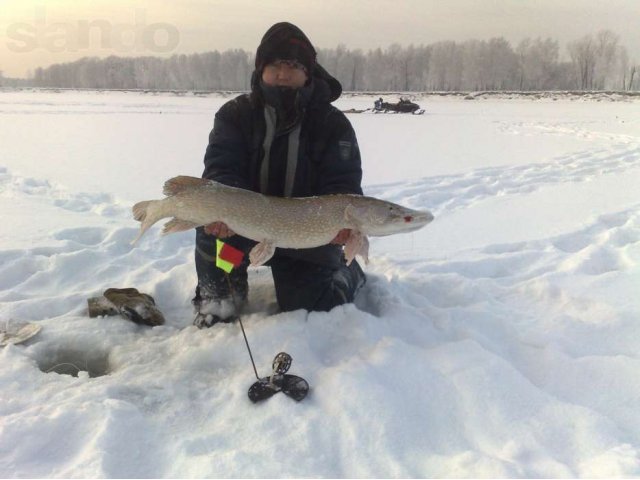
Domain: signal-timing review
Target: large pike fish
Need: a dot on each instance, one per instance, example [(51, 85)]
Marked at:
[(277, 222)]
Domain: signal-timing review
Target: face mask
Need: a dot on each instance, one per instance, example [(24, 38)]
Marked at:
[(280, 98)]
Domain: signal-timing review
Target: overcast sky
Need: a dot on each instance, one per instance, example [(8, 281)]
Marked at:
[(39, 33)]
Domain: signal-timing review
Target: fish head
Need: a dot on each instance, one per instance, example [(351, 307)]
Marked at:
[(379, 218)]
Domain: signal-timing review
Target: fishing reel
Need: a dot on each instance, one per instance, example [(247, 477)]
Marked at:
[(281, 363), (279, 381)]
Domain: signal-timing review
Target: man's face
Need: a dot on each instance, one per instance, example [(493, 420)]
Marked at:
[(284, 73)]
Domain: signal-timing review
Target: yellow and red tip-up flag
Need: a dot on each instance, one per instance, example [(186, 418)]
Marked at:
[(227, 257)]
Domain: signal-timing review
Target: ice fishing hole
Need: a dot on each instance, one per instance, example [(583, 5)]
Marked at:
[(72, 362)]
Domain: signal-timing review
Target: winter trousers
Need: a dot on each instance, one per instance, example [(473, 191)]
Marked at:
[(299, 284)]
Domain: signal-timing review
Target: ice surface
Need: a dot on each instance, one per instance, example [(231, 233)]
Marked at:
[(500, 341)]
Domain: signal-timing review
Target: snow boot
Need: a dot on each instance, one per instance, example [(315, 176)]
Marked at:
[(210, 312), (211, 305)]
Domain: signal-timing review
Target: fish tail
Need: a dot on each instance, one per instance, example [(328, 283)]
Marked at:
[(148, 213)]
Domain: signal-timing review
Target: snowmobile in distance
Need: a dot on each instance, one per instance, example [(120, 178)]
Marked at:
[(380, 106), (403, 106)]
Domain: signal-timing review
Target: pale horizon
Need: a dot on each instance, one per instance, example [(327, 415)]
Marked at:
[(34, 34)]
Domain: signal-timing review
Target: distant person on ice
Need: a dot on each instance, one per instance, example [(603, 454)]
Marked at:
[(284, 139)]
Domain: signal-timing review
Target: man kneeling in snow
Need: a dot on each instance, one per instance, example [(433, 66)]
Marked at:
[(284, 139)]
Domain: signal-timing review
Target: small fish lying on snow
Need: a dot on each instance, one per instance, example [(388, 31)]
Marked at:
[(277, 222)]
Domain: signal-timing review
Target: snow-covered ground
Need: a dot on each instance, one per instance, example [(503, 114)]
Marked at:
[(502, 340)]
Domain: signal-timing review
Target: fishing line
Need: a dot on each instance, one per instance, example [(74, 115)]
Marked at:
[(279, 381), (235, 304), (67, 364)]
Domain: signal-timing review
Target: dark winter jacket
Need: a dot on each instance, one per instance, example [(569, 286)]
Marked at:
[(328, 159)]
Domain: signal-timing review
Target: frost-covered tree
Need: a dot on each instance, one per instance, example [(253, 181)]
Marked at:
[(415, 67), (501, 66), (606, 45), (583, 56), (596, 61), (446, 67), (357, 71), (397, 68), (632, 74), (622, 68), (537, 64), (375, 71)]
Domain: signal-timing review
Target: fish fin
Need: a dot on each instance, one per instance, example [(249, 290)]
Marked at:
[(140, 210), (181, 183), (147, 214), (357, 244), (176, 225), (261, 253), (364, 249)]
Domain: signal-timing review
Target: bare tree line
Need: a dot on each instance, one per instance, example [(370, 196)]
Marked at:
[(12, 82), (595, 62)]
